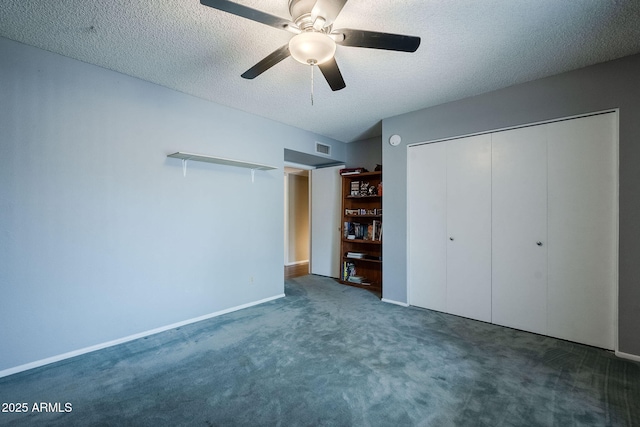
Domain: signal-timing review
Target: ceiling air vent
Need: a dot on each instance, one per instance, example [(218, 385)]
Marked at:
[(323, 149)]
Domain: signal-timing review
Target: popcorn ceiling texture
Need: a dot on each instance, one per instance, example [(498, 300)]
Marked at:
[(468, 47)]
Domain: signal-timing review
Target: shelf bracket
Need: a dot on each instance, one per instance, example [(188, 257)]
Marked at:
[(253, 175), (184, 167)]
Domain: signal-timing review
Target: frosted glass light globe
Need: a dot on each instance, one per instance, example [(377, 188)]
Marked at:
[(312, 48)]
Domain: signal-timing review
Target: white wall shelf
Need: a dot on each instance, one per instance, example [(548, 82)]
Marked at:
[(219, 160)]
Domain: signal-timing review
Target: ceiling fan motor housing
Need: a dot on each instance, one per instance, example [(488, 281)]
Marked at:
[(298, 8)]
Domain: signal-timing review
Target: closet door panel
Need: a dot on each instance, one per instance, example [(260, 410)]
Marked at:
[(583, 230), (519, 229), (427, 225), (469, 227)]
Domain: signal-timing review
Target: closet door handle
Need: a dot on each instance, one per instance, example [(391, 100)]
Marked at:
[(539, 243), (451, 238)]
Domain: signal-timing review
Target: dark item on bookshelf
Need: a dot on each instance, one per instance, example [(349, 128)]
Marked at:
[(364, 188), (378, 168)]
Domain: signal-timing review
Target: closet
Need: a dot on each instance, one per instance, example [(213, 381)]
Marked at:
[(451, 228), (519, 228)]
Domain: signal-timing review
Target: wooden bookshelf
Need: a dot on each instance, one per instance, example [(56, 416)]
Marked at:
[(361, 228)]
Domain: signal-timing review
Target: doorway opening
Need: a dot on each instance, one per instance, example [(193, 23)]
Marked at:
[(318, 235), (297, 234)]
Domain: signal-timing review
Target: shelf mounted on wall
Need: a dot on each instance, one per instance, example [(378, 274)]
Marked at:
[(185, 157)]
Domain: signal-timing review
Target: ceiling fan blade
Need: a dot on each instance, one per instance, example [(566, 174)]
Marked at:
[(328, 9), (249, 13), (267, 62), (375, 40), (332, 74)]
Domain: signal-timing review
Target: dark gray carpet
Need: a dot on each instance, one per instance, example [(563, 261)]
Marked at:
[(333, 355)]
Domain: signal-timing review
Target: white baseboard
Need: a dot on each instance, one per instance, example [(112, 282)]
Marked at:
[(53, 359), (390, 301), (627, 356)]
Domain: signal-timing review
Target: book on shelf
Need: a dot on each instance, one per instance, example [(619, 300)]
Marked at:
[(359, 280), (357, 255), (355, 230), (371, 212), (352, 171), (351, 230), (376, 230), (348, 270), (349, 274), (355, 188), (359, 231)]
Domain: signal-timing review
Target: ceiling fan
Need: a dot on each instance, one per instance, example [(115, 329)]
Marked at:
[(315, 39)]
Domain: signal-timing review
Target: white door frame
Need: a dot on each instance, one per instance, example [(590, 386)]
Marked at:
[(286, 210)]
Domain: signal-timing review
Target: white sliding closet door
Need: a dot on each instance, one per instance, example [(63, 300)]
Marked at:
[(468, 186), (427, 208), (583, 188), (449, 193), (520, 228), (519, 222)]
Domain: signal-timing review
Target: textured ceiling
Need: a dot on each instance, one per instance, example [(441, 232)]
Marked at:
[(468, 47)]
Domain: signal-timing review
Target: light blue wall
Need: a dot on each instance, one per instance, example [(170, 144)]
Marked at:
[(101, 237), (365, 153), (614, 84)]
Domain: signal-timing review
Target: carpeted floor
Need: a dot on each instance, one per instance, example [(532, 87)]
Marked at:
[(333, 355)]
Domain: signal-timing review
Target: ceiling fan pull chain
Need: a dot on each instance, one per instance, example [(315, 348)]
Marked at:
[(312, 84)]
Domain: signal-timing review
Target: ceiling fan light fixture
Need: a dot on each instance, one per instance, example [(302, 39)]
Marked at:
[(312, 48)]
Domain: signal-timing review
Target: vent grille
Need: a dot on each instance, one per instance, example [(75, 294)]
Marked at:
[(323, 149)]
